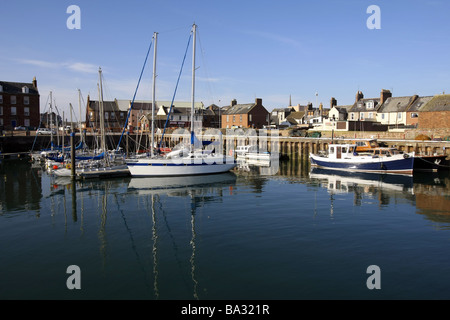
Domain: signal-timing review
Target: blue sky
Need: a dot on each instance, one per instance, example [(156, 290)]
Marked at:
[(247, 49)]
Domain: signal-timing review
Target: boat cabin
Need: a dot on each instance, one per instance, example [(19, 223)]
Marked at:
[(347, 151), (377, 152), (341, 151), (365, 145)]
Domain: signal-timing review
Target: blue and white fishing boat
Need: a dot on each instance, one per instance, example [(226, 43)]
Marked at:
[(345, 157)]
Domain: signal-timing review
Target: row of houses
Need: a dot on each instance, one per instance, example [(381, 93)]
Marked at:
[(138, 115), (19, 106), (383, 113)]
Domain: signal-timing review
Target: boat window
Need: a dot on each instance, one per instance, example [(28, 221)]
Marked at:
[(331, 149), (344, 150)]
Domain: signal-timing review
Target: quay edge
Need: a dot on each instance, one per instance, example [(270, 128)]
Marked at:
[(292, 147)]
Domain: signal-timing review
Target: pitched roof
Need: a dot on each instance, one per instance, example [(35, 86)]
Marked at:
[(361, 105), (397, 104), (296, 115), (240, 108), (123, 105), (438, 103), (419, 103), (180, 104), (16, 87), (343, 109), (109, 106)]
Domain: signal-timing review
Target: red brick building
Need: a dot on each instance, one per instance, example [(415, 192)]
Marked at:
[(19, 105), (250, 115), (435, 114)]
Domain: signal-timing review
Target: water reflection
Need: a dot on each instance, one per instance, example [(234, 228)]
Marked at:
[(154, 233), (428, 192), (381, 187), (432, 195), (20, 186)]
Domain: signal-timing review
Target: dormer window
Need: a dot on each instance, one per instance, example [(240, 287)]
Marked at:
[(1, 88), (360, 104), (25, 89), (370, 104)]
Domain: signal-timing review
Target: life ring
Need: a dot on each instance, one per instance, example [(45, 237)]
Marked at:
[(68, 166), (406, 156)]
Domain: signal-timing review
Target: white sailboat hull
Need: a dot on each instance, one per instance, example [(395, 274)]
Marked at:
[(179, 167)]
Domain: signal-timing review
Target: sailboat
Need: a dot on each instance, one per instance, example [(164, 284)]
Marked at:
[(195, 161), (105, 164)]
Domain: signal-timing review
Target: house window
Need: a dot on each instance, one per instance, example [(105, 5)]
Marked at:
[(26, 100), (1, 111), (13, 111), (370, 104), (240, 118), (370, 115), (399, 115), (122, 116), (352, 116), (414, 115), (228, 120), (1, 121), (362, 116), (1, 88), (250, 117), (25, 89), (234, 118), (26, 122), (1, 98), (13, 99), (106, 115), (382, 116), (26, 112), (113, 115)]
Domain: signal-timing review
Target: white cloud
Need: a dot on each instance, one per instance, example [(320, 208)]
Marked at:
[(80, 67), (39, 63), (275, 37)]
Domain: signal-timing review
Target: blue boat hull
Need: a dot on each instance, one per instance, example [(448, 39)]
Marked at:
[(402, 166)]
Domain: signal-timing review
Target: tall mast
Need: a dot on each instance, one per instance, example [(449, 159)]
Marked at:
[(194, 27), (155, 37), (79, 121), (102, 115), (51, 121)]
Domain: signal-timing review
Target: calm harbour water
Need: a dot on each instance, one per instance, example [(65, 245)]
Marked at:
[(248, 235)]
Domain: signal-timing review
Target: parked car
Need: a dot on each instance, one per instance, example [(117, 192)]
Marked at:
[(20, 128), (45, 131)]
